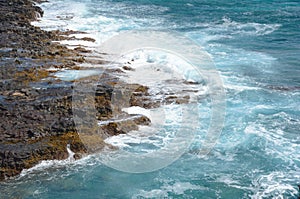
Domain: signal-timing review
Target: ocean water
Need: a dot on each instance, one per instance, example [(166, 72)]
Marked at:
[(255, 47)]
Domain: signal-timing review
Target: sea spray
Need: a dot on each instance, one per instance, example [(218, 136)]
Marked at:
[(255, 45)]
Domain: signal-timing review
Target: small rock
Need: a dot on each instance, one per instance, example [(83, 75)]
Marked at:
[(128, 68), (88, 39)]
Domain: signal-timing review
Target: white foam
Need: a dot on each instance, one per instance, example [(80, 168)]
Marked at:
[(156, 135), (70, 75), (251, 28), (161, 64), (279, 142), (180, 187), (105, 122), (276, 185), (237, 64), (154, 193), (70, 153), (74, 43), (111, 18), (177, 188), (59, 14), (240, 88), (230, 57), (138, 110), (165, 74), (226, 156), (50, 163), (229, 180)]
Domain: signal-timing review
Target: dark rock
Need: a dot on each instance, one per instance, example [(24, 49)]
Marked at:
[(88, 39), (36, 117), (82, 50), (127, 68), (35, 124)]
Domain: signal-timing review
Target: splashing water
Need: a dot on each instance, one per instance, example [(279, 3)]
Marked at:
[(255, 46)]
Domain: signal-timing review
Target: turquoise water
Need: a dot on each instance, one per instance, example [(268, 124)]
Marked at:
[(255, 46)]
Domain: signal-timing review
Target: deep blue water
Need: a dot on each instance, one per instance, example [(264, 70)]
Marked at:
[(255, 46)]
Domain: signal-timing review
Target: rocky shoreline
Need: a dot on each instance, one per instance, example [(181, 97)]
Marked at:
[(36, 121), (37, 118)]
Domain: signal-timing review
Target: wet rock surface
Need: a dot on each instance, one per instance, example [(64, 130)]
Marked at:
[(35, 123), (36, 119), (37, 108)]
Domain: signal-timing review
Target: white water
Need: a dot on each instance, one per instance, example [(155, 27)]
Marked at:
[(256, 156)]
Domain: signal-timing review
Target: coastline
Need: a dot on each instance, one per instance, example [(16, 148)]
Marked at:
[(36, 106), (255, 52), (36, 123), (37, 116)]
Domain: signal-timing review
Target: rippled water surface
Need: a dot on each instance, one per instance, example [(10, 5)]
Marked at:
[(255, 46)]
